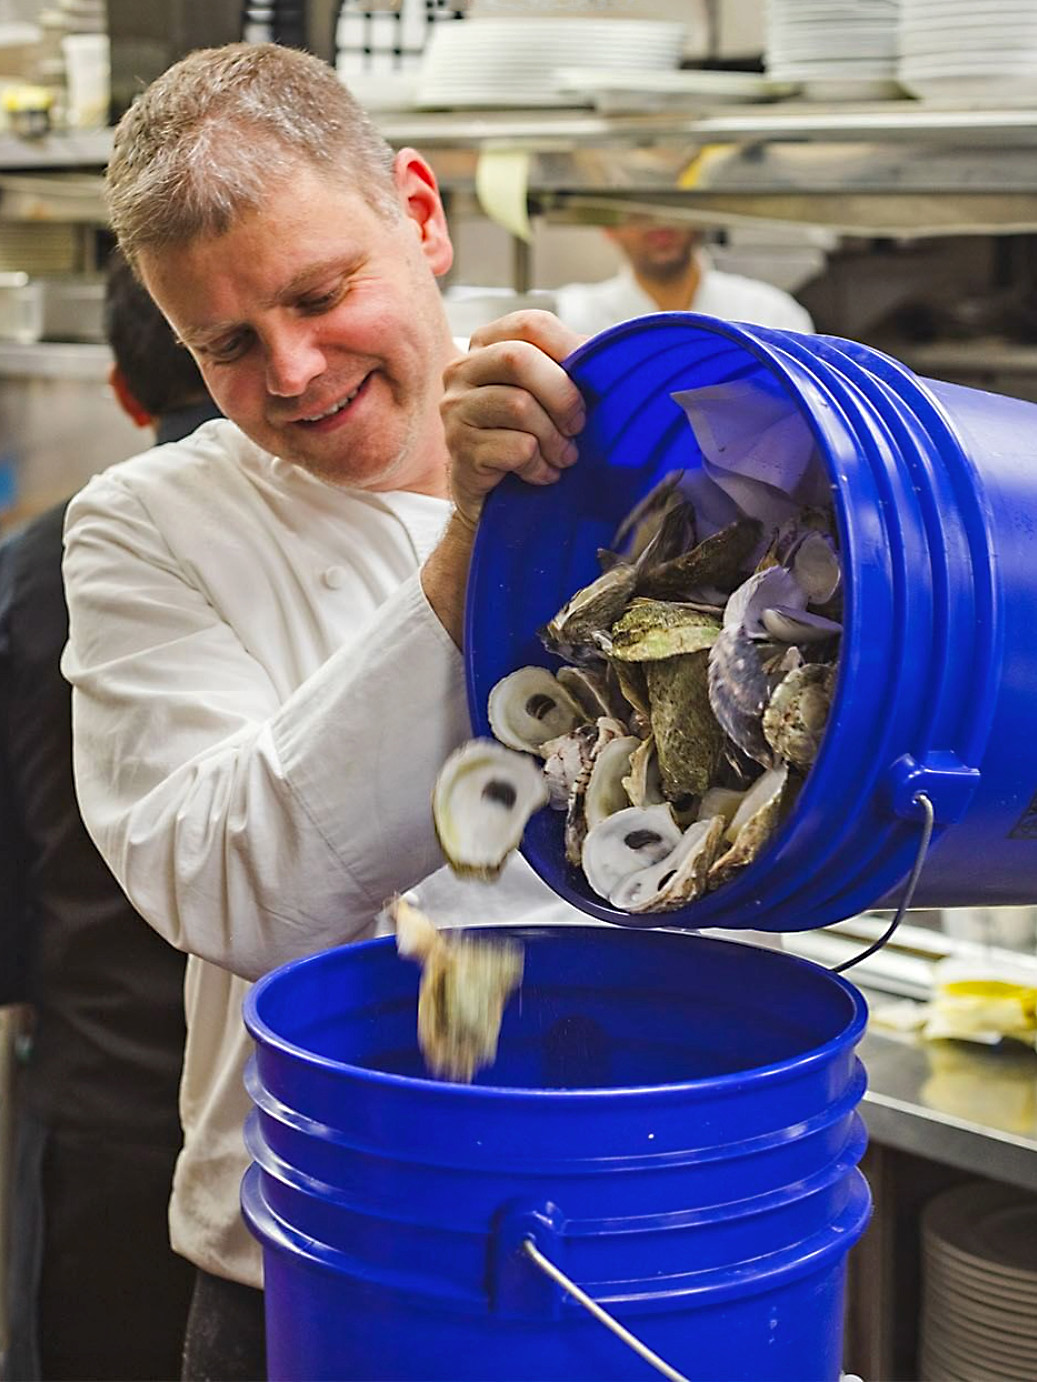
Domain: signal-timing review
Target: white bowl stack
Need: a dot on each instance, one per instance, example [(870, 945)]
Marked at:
[(979, 1280), (838, 49), (508, 62), (969, 52)]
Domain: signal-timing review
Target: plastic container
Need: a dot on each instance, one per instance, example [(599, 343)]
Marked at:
[(935, 494), (672, 1122)]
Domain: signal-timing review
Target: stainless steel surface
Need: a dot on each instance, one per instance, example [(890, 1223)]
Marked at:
[(896, 168), (967, 1106), (59, 421)]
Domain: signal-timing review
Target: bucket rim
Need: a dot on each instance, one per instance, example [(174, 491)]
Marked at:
[(733, 1082)]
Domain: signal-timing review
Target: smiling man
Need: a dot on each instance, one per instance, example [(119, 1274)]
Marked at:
[(264, 618)]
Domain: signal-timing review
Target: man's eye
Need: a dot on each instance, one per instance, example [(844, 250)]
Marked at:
[(230, 348), (321, 302)]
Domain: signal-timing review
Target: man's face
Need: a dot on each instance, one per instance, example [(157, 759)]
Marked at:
[(656, 251), (318, 327)]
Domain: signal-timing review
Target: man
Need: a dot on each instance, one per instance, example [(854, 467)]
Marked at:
[(265, 620), (94, 1288), (667, 270)]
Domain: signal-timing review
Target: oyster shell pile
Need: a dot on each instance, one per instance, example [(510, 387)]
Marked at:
[(696, 685)]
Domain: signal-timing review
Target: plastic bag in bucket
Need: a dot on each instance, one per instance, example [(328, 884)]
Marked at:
[(934, 492)]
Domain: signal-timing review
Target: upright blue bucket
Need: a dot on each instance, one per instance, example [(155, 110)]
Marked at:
[(935, 495), (671, 1121)]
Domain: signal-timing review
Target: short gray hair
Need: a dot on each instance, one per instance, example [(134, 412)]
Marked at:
[(206, 141)]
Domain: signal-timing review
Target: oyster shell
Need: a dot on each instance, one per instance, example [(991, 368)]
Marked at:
[(717, 561), (565, 759), (595, 688), (483, 797), (798, 625), (739, 689), (816, 568), (655, 629), (753, 825), (644, 520), (529, 707), (605, 792), (688, 738), (772, 586), (626, 842), (605, 731), (794, 721), (574, 632), (465, 983), (678, 879), (720, 801), (644, 783)]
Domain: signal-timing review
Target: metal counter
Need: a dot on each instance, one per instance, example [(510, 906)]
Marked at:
[(970, 1107)]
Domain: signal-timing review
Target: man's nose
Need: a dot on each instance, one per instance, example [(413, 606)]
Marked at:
[(293, 359)]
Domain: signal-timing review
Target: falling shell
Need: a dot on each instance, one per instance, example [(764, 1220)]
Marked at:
[(483, 797)]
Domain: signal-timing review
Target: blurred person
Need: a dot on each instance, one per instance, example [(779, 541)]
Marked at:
[(95, 1290), (667, 269), (266, 617)]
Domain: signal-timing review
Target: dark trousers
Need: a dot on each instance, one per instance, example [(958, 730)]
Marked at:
[(226, 1333), (95, 1291)]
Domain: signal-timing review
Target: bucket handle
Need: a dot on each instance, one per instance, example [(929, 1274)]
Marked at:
[(919, 799), (602, 1316)]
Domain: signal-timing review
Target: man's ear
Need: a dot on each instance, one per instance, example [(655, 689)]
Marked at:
[(419, 196), (127, 399)]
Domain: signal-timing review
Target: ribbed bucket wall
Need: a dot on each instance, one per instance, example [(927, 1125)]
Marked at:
[(935, 495), (671, 1120)]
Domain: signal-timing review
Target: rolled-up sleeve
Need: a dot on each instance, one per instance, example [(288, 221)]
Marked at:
[(247, 823)]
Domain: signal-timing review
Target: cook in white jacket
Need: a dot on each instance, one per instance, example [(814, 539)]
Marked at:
[(667, 270), (264, 618)]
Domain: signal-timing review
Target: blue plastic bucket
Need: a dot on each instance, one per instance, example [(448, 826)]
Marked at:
[(671, 1121), (935, 494)]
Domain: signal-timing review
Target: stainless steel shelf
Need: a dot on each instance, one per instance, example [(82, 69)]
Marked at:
[(895, 168)]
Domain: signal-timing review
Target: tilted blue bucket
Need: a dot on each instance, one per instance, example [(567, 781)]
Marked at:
[(671, 1121), (935, 495)]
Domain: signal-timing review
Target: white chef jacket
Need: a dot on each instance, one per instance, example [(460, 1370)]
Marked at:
[(592, 307), (262, 699)]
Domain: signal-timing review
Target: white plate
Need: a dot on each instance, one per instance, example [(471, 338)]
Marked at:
[(687, 89), (992, 1223)]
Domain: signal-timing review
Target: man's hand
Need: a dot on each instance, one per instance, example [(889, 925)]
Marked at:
[(509, 407)]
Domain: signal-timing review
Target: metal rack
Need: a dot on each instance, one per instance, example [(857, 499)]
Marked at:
[(896, 168)]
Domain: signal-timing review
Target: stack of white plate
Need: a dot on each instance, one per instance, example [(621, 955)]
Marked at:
[(515, 61), (979, 1280), (969, 51), (838, 49)]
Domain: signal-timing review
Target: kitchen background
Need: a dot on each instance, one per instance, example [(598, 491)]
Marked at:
[(873, 157)]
